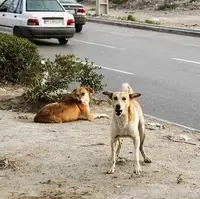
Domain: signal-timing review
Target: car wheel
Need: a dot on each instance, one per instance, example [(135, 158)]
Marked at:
[(17, 32), (79, 28), (62, 40)]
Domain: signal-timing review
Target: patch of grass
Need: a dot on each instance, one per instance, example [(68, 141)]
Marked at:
[(131, 18), (152, 22), (167, 6)]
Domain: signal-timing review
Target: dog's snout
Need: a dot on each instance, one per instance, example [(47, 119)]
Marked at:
[(117, 107)]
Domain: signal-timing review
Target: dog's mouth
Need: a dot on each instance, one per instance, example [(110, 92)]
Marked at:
[(118, 112)]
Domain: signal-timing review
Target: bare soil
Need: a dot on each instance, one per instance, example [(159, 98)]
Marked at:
[(69, 161), (184, 18)]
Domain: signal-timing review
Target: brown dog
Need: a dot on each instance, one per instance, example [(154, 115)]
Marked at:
[(74, 107)]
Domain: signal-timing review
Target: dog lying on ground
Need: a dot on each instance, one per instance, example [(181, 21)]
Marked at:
[(75, 106), (127, 121)]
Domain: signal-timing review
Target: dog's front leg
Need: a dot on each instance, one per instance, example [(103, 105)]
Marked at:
[(137, 163), (113, 155)]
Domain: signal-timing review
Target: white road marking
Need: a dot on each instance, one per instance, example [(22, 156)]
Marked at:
[(185, 60), (113, 69), (195, 45), (173, 123), (116, 33), (116, 70), (97, 44)]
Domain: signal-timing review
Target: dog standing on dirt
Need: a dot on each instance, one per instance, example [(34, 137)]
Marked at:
[(127, 121), (75, 106)]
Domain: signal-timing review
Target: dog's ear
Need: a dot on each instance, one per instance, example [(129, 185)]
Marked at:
[(134, 95), (74, 91), (109, 94), (90, 90)]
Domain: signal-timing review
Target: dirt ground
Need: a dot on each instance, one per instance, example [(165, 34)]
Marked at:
[(69, 161), (173, 18)]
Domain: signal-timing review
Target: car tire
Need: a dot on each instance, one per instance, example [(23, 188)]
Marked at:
[(17, 32), (78, 28), (62, 40)]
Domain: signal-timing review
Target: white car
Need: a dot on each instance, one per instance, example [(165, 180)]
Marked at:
[(42, 19)]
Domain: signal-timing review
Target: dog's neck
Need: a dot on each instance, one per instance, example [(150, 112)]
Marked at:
[(84, 106), (124, 119)]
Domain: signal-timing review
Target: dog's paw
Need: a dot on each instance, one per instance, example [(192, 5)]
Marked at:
[(147, 160), (137, 170), (110, 171)]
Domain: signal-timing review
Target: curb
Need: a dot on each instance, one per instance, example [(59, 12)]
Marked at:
[(143, 26), (172, 123)]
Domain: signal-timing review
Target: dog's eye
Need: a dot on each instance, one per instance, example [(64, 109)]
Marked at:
[(123, 98), (82, 94), (115, 98)]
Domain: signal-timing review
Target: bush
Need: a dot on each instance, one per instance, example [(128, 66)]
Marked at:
[(52, 79), (131, 18), (20, 62), (16, 54), (167, 6)]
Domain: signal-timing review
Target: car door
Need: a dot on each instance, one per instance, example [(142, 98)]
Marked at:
[(4, 27), (13, 14)]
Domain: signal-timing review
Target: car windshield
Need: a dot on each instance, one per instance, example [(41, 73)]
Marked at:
[(43, 6), (68, 1)]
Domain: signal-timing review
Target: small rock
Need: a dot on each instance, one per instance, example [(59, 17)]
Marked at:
[(164, 127), (184, 137), (179, 179), (23, 117), (2, 90), (46, 182), (154, 126)]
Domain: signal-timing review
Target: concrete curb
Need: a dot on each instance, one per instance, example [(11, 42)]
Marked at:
[(143, 26), (172, 123)]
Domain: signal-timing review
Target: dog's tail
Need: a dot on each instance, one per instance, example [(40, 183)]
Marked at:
[(127, 88)]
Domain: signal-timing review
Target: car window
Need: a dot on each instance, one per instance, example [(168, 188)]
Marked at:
[(5, 4), (13, 6), (68, 1), (19, 7), (43, 6)]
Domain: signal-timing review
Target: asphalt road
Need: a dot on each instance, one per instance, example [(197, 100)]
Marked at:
[(165, 68)]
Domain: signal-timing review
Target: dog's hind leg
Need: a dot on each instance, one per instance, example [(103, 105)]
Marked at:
[(136, 142), (113, 154), (141, 128)]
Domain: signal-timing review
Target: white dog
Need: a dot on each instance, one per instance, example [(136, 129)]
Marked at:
[(127, 121)]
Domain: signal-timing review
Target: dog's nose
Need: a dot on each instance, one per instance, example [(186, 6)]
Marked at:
[(117, 107)]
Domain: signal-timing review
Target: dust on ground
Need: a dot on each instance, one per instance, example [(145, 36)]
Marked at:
[(184, 18), (69, 161)]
